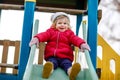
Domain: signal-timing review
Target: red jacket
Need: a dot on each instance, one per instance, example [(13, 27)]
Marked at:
[(59, 43)]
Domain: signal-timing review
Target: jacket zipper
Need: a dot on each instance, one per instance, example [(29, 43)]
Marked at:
[(57, 43)]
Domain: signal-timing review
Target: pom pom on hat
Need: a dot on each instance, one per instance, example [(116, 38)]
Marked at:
[(55, 15)]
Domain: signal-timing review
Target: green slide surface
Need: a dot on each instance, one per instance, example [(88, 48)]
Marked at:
[(34, 71), (58, 74)]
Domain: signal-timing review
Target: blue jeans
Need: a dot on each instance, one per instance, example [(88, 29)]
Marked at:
[(59, 62)]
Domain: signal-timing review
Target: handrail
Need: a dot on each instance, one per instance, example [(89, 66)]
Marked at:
[(88, 59), (90, 65), (31, 56)]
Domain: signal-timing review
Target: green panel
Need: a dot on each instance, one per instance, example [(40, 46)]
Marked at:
[(71, 4), (64, 2), (1, 1), (67, 2), (81, 4)]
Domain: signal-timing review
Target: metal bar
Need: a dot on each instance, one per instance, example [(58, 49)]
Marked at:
[(43, 9)]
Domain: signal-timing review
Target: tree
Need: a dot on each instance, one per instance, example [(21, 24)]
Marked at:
[(109, 24)]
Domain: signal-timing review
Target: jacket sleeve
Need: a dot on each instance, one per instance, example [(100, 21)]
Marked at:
[(75, 40), (43, 36)]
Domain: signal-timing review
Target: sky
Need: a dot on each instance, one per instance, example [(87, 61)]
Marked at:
[(109, 25), (12, 22)]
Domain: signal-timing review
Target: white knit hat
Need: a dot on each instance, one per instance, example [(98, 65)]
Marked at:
[(55, 15)]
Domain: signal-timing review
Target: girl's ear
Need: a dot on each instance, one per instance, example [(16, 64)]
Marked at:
[(53, 26)]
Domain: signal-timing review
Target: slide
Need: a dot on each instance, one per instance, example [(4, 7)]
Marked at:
[(34, 71)]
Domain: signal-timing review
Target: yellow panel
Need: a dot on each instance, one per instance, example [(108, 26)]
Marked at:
[(31, 0), (99, 62), (108, 54)]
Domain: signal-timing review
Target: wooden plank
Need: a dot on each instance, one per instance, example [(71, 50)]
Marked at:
[(41, 53), (6, 44), (1, 42), (5, 54), (11, 43), (16, 55), (11, 6), (44, 9), (52, 9), (99, 15), (4, 65)]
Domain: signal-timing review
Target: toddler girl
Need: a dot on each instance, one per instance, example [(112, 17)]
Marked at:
[(58, 50)]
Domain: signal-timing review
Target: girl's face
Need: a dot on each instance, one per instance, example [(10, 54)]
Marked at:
[(62, 24)]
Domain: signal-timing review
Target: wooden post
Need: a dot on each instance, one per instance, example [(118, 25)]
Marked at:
[(5, 54)]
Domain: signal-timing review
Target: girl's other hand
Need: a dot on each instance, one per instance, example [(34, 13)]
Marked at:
[(84, 47), (34, 41)]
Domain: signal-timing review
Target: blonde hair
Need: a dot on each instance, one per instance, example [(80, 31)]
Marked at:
[(60, 17)]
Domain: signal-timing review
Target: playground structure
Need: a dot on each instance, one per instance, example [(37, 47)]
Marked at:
[(22, 50)]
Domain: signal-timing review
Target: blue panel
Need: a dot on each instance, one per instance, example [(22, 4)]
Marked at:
[(78, 23), (92, 29), (26, 37), (8, 77)]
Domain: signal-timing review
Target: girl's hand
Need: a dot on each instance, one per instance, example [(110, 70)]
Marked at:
[(34, 41), (84, 47)]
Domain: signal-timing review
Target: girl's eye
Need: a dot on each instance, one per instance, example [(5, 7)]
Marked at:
[(65, 23), (59, 23)]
